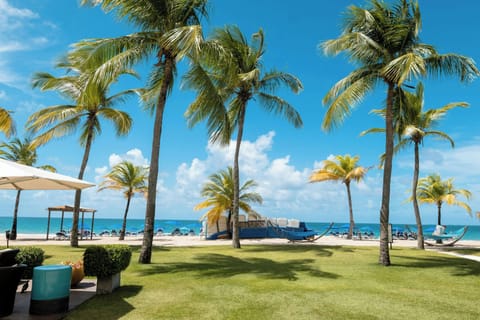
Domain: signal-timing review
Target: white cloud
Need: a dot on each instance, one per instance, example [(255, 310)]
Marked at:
[(135, 156)]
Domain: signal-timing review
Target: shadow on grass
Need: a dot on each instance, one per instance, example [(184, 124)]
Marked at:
[(459, 266), (113, 306), (225, 266)]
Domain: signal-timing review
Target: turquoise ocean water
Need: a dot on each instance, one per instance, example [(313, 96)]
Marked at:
[(38, 225)]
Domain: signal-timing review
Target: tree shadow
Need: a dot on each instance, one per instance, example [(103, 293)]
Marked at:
[(115, 304), (225, 266), (460, 266), (292, 248)]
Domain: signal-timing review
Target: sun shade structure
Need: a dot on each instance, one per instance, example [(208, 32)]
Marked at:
[(66, 208), (15, 176)]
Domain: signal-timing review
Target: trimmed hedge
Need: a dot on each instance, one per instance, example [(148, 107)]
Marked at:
[(105, 261), (32, 257)]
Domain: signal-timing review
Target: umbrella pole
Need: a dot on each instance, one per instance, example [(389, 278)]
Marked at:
[(91, 230)]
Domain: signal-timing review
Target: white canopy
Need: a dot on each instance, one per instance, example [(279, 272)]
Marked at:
[(15, 176)]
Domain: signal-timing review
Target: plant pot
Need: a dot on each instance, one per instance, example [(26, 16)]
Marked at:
[(107, 285)]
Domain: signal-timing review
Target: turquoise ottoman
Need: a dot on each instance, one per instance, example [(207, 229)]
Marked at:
[(50, 289)]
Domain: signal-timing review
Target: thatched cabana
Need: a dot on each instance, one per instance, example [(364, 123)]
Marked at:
[(66, 208)]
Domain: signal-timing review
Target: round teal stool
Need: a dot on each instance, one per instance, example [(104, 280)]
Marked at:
[(50, 289)]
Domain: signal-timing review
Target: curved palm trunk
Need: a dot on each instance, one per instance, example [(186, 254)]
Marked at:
[(78, 193), (13, 231), (236, 180), (416, 209), (350, 208), (229, 221), (384, 257), (146, 250), (124, 224)]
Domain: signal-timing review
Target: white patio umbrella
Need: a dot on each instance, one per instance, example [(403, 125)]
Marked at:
[(15, 176)]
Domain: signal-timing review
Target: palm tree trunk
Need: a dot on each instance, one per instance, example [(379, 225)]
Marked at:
[(146, 250), (124, 224), (384, 257), (416, 209), (78, 193), (439, 210), (13, 231), (236, 180), (352, 223)]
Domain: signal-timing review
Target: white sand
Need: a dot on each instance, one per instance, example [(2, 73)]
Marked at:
[(181, 241)]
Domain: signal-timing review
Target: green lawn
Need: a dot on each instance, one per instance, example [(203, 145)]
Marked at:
[(287, 282)]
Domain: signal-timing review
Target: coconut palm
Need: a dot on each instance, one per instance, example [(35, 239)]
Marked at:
[(343, 169), (130, 179), (233, 76), (412, 124), (169, 30), (219, 193), (382, 40), (91, 104), (23, 152), (432, 189), (7, 126)]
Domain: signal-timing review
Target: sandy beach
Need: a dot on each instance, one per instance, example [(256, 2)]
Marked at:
[(182, 241)]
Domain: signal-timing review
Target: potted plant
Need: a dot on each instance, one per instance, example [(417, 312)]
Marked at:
[(106, 263), (78, 272)]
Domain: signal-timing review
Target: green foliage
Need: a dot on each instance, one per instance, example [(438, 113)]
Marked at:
[(32, 257), (105, 261)]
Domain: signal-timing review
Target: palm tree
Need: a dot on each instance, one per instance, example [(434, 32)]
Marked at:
[(23, 152), (7, 125), (169, 30), (91, 103), (383, 41), (234, 75), (432, 189), (345, 170), (219, 194), (412, 124), (128, 178)]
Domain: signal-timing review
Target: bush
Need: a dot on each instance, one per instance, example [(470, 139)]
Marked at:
[(32, 257), (105, 261)]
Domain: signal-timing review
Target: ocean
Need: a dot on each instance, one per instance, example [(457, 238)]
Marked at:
[(38, 225)]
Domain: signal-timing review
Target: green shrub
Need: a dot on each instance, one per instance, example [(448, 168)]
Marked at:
[(32, 257), (105, 261)]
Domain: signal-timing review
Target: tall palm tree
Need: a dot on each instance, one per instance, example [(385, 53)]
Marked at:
[(7, 125), (169, 30), (233, 76), (383, 41), (343, 169), (91, 104), (23, 152), (412, 124), (128, 178), (432, 189), (219, 193)]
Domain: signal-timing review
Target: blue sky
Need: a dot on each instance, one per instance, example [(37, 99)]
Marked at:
[(276, 155)]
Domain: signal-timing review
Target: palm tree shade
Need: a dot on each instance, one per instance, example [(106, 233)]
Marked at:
[(343, 169), (227, 75), (383, 41), (128, 178)]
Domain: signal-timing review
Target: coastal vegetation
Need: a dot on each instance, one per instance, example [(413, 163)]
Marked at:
[(226, 80), (343, 169), (129, 178), (411, 125), (383, 42), (285, 282), (218, 192)]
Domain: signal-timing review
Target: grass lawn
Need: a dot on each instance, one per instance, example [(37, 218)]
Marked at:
[(287, 282)]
